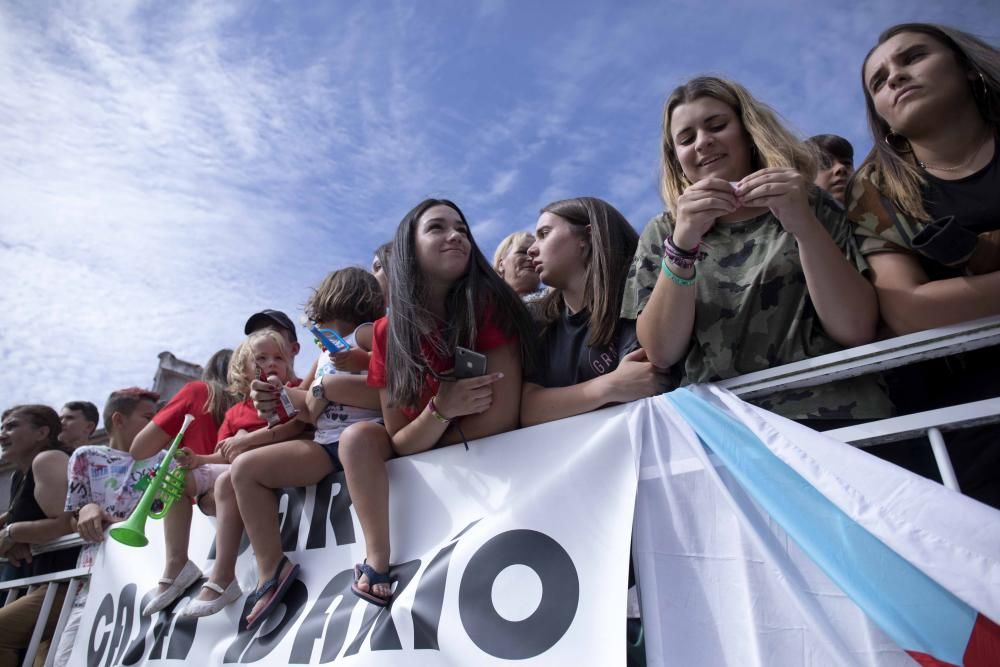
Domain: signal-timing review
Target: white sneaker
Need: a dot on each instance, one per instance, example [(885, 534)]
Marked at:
[(197, 608), (187, 576)]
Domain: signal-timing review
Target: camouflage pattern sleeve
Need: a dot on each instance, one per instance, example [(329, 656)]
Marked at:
[(834, 218), (645, 269), (874, 229)]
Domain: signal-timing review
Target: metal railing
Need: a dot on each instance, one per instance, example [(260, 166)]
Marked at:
[(884, 355), (872, 358)]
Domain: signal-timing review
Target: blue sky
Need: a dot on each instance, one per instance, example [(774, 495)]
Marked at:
[(169, 168)]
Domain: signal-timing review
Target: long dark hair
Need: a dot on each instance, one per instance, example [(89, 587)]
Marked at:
[(892, 165), (412, 324), (612, 246)]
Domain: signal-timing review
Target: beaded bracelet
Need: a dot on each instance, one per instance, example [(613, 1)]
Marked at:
[(668, 243), (683, 282), (432, 406), (685, 259)]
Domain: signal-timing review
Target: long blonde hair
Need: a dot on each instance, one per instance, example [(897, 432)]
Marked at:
[(242, 368), (772, 144), (215, 375), (891, 165)]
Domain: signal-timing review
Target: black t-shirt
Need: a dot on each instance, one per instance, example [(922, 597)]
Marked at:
[(961, 210), (565, 359), (973, 200), (24, 507)]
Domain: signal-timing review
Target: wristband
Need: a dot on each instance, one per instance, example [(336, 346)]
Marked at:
[(432, 406), (683, 282), (685, 259)]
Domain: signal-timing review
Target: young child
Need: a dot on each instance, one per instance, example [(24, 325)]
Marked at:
[(444, 294), (242, 431), (207, 400), (103, 487), (347, 301)]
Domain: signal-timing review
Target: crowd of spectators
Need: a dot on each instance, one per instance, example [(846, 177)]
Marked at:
[(770, 250)]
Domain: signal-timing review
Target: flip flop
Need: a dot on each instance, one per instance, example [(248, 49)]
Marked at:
[(374, 578), (280, 587)]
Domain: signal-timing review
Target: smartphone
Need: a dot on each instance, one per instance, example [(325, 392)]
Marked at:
[(469, 364)]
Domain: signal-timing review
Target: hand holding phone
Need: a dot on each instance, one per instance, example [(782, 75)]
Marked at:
[(469, 364)]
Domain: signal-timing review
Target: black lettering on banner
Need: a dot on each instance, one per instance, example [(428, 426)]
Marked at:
[(123, 624), (532, 636), (105, 615), (384, 637), (429, 600), (339, 513), (181, 638), (289, 520), (294, 602), (335, 622), (137, 648)]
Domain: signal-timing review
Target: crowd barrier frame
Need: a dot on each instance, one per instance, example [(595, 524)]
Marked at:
[(872, 358)]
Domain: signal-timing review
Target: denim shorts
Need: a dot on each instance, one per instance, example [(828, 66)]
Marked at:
[(332, 451)]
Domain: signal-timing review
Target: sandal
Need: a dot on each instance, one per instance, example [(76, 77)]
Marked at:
[(374, 578), (278, 585)]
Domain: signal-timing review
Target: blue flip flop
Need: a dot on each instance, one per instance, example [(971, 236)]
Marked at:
[(279, 586), (374, 578)]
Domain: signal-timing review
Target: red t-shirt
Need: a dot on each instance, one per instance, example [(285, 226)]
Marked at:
[(200, 435), (243, 416), (489, 336)]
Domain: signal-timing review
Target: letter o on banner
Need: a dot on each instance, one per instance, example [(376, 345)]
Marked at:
[(518, 640)]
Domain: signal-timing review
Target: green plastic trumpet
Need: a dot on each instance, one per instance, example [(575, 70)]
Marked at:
[(166, 487)]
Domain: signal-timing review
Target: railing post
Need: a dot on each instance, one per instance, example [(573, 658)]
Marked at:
[(67, 608), (43, 617), (948, 477)]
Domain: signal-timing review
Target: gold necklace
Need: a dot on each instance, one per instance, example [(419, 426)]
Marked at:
[(967, 162)]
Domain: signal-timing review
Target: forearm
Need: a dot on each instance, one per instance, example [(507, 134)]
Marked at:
[(265, 436), (844, 300), (940, 302), (213, 458), (351, 389), (665, 325), (419, 435), (41, 530), (150, 440), (544, 404)]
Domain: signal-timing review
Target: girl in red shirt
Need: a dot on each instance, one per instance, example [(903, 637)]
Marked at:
[(444, 294)]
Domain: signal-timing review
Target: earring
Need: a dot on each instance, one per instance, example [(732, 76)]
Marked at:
[(898, 142)]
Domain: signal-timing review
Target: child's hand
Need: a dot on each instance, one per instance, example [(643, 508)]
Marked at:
[(470, 396), (265, 397), (232, 447), (90, 525), (353, 360), (187, 459)]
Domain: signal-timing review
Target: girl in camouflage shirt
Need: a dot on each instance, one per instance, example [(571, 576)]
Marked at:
[(755, 267)]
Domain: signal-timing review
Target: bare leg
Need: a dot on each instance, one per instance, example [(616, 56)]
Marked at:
[(228, 532), (177, 534), (364, 449), (255, 474)]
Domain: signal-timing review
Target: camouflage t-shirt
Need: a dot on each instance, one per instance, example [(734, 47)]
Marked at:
[(753, 311)]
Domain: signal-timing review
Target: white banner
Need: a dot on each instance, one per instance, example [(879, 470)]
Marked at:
[(760, 542), (514, 550)]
